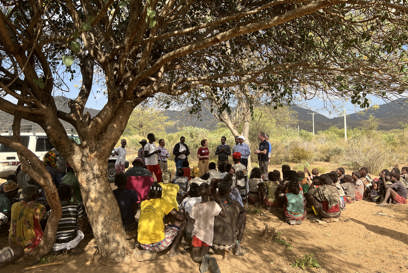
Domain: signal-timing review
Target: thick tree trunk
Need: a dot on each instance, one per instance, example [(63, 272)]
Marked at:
[(101, 208)]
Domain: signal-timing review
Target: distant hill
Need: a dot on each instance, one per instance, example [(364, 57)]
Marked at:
[(183, 118), (389, 116), (6, 120)]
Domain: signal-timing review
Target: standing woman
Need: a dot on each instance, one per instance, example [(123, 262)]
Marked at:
[(203, 155)]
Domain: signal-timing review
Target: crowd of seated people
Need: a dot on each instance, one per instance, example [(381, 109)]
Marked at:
[(201, 210)]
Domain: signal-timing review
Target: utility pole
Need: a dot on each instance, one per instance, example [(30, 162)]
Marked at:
[(313, 123), (345, 124)]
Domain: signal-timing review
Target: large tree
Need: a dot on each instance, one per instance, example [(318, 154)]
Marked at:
[(347, 53), (146, 47)]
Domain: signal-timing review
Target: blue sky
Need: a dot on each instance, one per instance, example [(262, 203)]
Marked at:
[(330, 107)]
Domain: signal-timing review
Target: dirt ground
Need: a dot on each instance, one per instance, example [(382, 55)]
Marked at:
[(367, 238)]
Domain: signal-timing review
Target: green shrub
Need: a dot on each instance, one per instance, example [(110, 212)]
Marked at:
[(330, 153), (299, 154), (306, 261), (369, 151)]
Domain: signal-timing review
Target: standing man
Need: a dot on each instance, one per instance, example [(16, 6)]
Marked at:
[(121, 159), (262, 153), (140, 152), (163, 155), (223, 151), (181, 152), (151, 157), (243, 149), (269, 148)]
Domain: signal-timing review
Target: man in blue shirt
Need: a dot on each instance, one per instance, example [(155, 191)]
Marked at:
[(270, 148), (243, 149)]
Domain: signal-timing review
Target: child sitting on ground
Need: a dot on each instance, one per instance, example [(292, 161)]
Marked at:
[(203, 214), (182, 182), (374, 195), (69, 234), (396, 193), (336, 180), (303, 181), (285, 173), (187, 205), (212, 170), (315, 172), (256, 187), (153, 235), (128, 203), (228, 228), (359, 186), (325, 199), (349, 188), (186, 169), (294, 204), (404, 176), (272, 185)]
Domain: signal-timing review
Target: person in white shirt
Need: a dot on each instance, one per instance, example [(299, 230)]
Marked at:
[(152, 158), (121, 159), (163, 155)]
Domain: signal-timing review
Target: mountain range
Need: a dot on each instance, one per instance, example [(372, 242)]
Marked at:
[(389, 116)]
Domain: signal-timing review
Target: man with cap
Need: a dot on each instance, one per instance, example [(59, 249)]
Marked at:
[(121, 159), (223, 151), (243, 149)]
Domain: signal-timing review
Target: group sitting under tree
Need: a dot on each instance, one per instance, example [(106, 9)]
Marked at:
[(199, 209)]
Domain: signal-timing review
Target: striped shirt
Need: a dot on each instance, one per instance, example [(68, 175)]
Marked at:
[(68, 224)]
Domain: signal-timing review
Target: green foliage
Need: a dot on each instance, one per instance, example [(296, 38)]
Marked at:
[(145, 120), (299, 154), (329, 153), (307, 261), (278, 239), (371, 124), (369, 151)]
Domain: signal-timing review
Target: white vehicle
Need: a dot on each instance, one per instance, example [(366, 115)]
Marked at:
[(39, 144), (36, 142)]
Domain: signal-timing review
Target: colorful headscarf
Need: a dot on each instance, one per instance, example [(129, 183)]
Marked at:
[(50, 159)]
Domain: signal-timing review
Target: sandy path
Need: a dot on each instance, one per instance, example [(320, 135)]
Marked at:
[(367, 238)]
